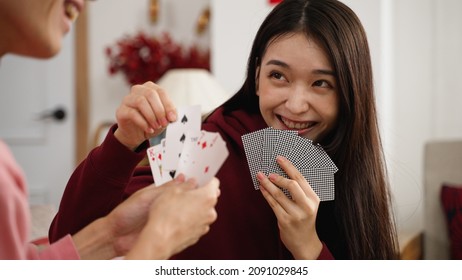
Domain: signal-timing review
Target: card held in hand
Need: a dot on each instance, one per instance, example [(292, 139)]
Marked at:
[(253, 152), (262, 147), (188, 121), (193, 152), (204, 158)]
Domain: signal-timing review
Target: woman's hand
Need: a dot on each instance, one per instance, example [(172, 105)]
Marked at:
[(144, 113), (128, 219), (179, 216), (297, 216), (115, 234), (153, 223)]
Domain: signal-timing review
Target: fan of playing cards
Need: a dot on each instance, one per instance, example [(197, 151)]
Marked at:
[(263, 146), (187, 150)]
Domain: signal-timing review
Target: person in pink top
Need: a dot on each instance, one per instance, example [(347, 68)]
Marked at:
[(137, 228)]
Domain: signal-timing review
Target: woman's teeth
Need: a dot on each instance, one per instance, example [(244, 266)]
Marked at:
[(71, 11), (295, 125)]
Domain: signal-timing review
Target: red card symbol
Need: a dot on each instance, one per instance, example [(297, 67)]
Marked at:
[(159, 156), (206, 169), (204, 145)]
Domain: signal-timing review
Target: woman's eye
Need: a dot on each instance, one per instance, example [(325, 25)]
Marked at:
[(276, 75), (321, 83)]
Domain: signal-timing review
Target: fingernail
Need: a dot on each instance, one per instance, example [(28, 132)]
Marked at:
[(164, 122), (179, 178), (171, 116), (156, 125), (273, 177), (280, 159)]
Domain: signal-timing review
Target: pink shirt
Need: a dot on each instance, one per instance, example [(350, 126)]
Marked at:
[(15, 217)]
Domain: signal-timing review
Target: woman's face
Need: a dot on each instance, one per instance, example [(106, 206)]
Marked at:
[(36, 28), (297, 88)]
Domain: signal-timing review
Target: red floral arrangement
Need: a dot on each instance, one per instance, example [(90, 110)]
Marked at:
[(143, 58)]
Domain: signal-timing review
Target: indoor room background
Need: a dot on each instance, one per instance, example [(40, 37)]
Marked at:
[(415, 46)]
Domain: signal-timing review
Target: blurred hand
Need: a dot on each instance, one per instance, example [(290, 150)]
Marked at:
[(127, 220), (144, 113), (180, 215), (297, 216)]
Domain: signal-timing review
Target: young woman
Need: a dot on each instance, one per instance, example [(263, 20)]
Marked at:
[(137, 228), (309, 70)]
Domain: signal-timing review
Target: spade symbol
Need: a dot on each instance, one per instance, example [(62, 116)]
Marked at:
[(184, 119), (172, 173), (182, 138)]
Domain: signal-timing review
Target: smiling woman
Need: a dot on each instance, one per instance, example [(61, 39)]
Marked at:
[(297, 87), (58, 16), (310, 69)]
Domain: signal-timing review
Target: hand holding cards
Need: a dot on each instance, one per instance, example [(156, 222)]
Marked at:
[(263, 146), (187, 150)]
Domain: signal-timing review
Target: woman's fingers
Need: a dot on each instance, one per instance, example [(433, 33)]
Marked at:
[(295, 174), (144, 113), (277, 200), (160, 104), (153, 104), (302, 196), (169, 107)]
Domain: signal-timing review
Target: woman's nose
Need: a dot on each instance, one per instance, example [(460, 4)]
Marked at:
[(298, 100)]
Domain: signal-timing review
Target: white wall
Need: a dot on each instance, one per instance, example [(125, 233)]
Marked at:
[(426, 95), (111, 20), (447, 89), (411, 109), (234, 26)]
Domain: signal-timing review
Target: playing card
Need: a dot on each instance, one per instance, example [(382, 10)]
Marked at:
[(203, 160), (167, 174), (212, 158), (277, 143), (188, 121), (208, 140), (155, 161), (159, 172), (189, 154), (253, 152), (188, 150), (321, 181), (262, 148), (306, 155)]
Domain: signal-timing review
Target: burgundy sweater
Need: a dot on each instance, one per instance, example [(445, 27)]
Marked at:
[(246, 227)]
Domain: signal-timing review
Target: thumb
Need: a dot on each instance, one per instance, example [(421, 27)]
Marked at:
[(212, 186)]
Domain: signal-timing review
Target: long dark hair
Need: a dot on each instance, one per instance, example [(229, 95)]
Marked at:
[(362, 200)]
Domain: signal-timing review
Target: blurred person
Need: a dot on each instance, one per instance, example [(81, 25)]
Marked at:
[(138, 228)]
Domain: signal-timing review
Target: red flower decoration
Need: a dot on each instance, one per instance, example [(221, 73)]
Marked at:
[(142, 58)]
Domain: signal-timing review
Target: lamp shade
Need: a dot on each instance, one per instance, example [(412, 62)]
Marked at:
[(193, 87)]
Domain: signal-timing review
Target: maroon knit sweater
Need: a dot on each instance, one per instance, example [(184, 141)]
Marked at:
[(246, 227)]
